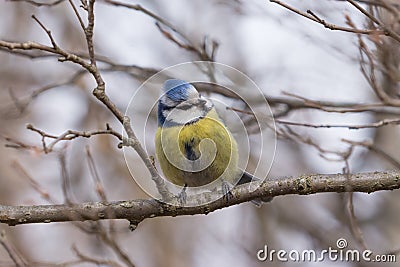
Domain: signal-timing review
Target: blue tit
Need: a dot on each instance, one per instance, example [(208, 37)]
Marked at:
[(193, 146)]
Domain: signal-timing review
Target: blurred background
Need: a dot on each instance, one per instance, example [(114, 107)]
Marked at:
[(289, 58)]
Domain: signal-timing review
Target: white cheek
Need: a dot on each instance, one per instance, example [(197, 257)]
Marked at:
[(183, 116), (193, 94), (168, 102)]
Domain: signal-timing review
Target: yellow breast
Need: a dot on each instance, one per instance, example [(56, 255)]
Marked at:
[(198, 153)]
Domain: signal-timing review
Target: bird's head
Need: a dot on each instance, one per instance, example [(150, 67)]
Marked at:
[(180, 103)]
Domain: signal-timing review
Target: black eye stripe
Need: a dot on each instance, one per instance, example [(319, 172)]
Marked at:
[(168, 108)]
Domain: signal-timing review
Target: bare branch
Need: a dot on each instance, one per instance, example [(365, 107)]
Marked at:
[(70, 135), (21, 104), (369, 145), (40, 4), (202, 51), (133, 142), (89, 259), (12, 252), (77, 15), (296, 102), (95, 175), (312, 16), (333, 106), (377, 124), (138, 210), (387, 31), (354, 226), (98, 92), (35, 185)]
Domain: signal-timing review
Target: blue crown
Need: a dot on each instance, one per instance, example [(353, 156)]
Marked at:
[(176, 90)]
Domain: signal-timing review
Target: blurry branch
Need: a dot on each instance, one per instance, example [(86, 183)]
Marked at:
[(286, 132), (18, 106), (377, 3), (286, 105), (202, 52), (89, 259), (98, 92), (35, 185), (112, 243), (15, 256), (20, 261), (378, 124), (368, 69), (372, 147), (22, 104), (383, 30), (353, 224), (387, 31), (301, 102), (106, 236), (312, 16), (137, 210), (206, 51), (40, 4), (99, 188), (95, 228), (14, 143), (65, 178)]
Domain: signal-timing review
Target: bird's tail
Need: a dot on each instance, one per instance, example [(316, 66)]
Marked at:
[(248, 178)]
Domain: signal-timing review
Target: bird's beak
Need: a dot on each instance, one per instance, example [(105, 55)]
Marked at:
[(200, 102)]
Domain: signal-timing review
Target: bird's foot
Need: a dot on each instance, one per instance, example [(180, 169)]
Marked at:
[(226, 191), (182, 196)]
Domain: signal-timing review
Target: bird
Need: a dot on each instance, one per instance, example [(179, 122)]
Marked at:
[(193, 146)]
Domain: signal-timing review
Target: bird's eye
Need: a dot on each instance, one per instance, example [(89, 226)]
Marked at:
[(199, 95)]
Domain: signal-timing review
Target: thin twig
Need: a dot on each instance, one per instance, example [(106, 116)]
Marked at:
[(89, 259), (369, 145), (377, 124), (35, 185), (133, 142), (99, 188), (12, 252), (77, 14), (70, 135), (201, 51), (312, 16), (66, 180), (387, 31), (40, 4), (354, 227)]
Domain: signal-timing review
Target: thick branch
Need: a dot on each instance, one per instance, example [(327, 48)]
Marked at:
[(137, 210)]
